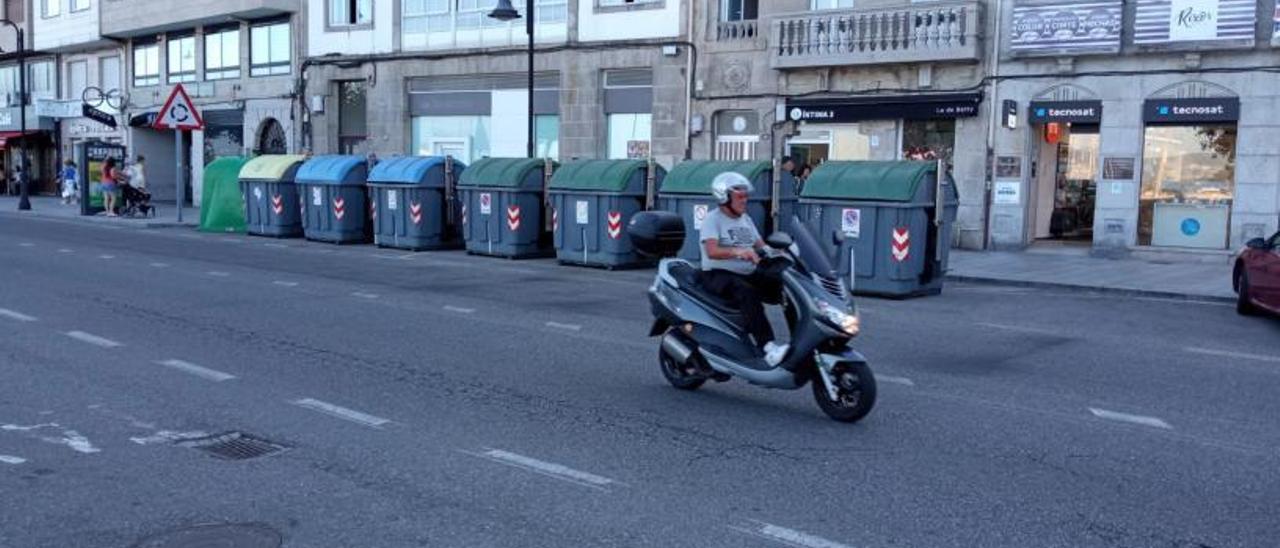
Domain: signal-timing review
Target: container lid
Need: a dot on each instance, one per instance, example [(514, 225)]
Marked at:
[(409, 170), (873, 181), (330, 169), (597, 175), (501, 172), (271, 167), (695, 176), (224, 168)]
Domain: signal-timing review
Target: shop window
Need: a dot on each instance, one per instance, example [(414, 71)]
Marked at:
[(146, 64), (737, 134), (269, 49), (182, 59), (352, 121), (929, 140), (466, 138), (546, 133), (222, 54), (1188, 185), (629, 135)]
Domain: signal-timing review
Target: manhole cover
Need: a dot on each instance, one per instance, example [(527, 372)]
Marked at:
[(233, 446), (230, 535)]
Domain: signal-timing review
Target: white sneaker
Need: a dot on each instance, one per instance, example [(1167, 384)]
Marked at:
[(774, 352)]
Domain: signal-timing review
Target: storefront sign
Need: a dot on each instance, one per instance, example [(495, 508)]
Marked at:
[(1078, 112), (6, 118), (1009, 167), (98, 116), (1275, 26), (637, 150), (1066, 26), (1118, 169), (1008, 192), (53, 108), (1218, 109), (1181, 21), (906, 107)]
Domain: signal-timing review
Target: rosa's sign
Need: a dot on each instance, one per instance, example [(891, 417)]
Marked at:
[(1193, 20)]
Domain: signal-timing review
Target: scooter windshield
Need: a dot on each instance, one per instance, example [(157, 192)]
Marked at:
[(810, 254)]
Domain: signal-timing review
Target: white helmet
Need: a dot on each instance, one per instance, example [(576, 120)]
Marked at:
[(726, 182)]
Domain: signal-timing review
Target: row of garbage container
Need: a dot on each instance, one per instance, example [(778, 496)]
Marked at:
[(888, 224)]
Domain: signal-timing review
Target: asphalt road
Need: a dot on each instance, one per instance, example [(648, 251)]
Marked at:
[(438, 399)]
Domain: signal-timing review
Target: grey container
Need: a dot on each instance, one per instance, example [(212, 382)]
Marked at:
[(271, 196), (896, 226), (414, 204), (502, 207), (687, 192), (335, 207), (592, 201)]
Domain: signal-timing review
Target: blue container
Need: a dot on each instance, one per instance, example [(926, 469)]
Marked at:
[(271, 197), (334, 204), (502, 207), (414, 203), (592, 201)]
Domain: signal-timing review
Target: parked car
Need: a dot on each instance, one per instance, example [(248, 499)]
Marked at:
[(1257, 276)]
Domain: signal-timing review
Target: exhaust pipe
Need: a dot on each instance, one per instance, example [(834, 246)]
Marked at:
[(677, 349)]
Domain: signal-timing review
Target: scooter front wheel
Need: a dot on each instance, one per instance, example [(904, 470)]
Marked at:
[(684, 377), (855, 392)]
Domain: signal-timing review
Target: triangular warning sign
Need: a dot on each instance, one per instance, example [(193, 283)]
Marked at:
[(179, 112)]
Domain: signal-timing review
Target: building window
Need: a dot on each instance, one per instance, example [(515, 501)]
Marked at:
[(739, 10), (929, 139), (108, 74), (350, 13), (41, 81), (182, 59), (625, 3), (628, 107), (1188, 185), (435, 22), (830, 4), (79, 5), (9, 85), (269, 49), (546, 135), (353, 128), (146, 64), (77, 79), (50, 8), (629, 135), (222, 54)]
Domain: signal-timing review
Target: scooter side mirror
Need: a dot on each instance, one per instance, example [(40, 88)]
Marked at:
[(837, 237), (779, 240), (1257, 243)]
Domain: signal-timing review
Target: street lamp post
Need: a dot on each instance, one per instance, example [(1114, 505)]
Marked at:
[(24, 202), (505, 12)]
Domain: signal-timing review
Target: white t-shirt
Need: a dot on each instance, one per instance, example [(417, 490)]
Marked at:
[(728, 232)]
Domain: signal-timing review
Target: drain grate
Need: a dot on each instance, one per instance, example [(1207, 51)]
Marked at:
[(233, 446)]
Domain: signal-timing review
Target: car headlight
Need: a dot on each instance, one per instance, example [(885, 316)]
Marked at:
[(839, 318)]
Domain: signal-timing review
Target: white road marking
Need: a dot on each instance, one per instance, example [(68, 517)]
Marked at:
[(341, 412), (15, 315), (70, 438), (218, 273), (93, 339), (199, 371), (10, 459), (27, 244), (1231, 354), (364, 295), (160, 265), (167, 436), (285, 284), (569, 326), (1125, 417), (1021, 329), (783, 535), (64, 250), (274, 245), (108, 257), (895, 380), (548, 469), (459, 309)]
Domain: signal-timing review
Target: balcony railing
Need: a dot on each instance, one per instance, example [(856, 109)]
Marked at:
[(735, 31), (937, 32)]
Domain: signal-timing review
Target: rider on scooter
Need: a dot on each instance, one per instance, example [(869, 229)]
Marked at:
[(729, 259)]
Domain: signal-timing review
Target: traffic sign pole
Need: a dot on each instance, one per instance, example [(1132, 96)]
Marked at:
[(177, 155)]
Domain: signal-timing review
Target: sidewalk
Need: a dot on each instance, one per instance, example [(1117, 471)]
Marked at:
[(1075, 269), (53, 208)]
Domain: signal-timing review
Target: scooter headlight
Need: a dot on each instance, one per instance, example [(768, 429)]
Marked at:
[(839, 318)]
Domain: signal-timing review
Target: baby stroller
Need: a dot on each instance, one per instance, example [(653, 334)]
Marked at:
[(136, 202)]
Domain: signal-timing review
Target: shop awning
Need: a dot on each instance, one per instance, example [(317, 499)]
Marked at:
[(5, 136)]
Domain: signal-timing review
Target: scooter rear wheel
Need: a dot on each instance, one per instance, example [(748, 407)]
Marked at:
[(856, 390), (684, 377)]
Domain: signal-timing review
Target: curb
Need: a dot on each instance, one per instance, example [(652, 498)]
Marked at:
[(1092, 289)]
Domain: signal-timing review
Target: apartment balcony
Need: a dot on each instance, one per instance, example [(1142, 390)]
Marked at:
[(128, 18), (934, 32)]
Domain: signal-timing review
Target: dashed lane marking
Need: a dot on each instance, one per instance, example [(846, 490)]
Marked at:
[(549, 469), (197, 370), (459, 309), (341, 412), (895, 380), (785, 536), (15, 315), (1133, 419), (93, 339), (285, 284), (1232, 354), (567, 326)]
